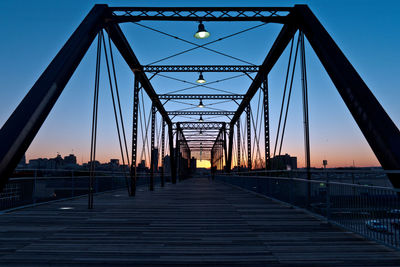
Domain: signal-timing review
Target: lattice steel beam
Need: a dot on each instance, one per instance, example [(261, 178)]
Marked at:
[(197, 68), (201, 125), (205, 113), (265, 14), (197, 96)]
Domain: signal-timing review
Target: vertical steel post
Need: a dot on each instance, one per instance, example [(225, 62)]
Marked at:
[(178, 152), (379, 130), (152, 156), (305, 111), (162, 152), (238, 144), (136, 89), (230, 146), (248, 126), (172, 161), (227, 167), (266, 125)]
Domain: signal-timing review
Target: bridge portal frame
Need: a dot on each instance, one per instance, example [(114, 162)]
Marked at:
[(377, 127)]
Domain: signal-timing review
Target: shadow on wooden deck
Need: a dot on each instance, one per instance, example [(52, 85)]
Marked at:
[(193, 223)]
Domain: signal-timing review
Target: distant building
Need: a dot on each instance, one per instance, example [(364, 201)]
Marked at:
[(70, 160), (283, 162), (114, 162), (141, 166)]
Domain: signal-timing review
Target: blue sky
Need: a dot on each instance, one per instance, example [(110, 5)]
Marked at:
[(366, 31)]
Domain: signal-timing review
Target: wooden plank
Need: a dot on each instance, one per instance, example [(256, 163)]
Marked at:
[(192, 223)]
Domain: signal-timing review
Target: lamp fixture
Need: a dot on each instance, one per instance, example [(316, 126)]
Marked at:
[(201, 78), (200, 105), (201, 32), (201, 119)]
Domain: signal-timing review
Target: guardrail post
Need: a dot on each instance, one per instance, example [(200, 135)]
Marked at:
[(34, 188), (328, 200), (72, 184)]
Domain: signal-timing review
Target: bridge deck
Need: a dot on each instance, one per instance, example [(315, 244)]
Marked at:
[(189, 224)]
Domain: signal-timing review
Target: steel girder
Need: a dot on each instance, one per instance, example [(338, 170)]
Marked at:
[(248, 135), (379, 130), (197, 97), (162, 152), (152, 158), (22, 126), (205, 113), (201, 125), (265, 14), (134, 135), (266, 125), (198, 68)]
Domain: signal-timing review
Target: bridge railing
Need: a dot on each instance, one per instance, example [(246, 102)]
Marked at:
[(371, 211), (34, 186)]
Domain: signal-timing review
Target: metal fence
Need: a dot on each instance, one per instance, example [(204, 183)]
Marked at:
[(372, 211), (31, 186)]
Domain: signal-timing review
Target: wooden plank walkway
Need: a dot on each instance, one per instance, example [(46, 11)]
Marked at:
[(193, 223)]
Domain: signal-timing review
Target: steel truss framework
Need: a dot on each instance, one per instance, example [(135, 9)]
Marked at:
[(201, 125), (195, 68), (265, 14), (20, 129), (201, 97), (205, 113)]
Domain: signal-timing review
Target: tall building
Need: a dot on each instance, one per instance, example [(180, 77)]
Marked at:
[(283, 162), (70, 159), (114, 162)]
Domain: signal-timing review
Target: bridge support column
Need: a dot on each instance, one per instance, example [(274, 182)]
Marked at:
[(172, 154), (152, 156), (266, 125), (238, 143), (177, 152), (228, 162), (134, 136), (248, 126), (162, 153)]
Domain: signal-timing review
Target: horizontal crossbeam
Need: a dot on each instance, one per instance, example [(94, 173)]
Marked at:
[(197, 68), (201, 125), (205, 113), (265, 14), (197, 96)]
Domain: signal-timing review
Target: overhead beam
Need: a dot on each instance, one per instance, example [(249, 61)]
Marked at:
[(199, 68), (24, 123), (122, 44), (201, 125), (205, 113), (198, 96), (264, 14)]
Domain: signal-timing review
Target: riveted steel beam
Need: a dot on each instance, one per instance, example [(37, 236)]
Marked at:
[(198, 96), (198, 68)]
